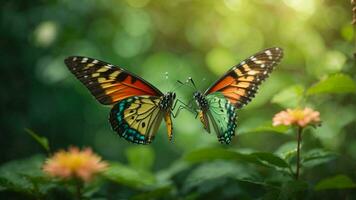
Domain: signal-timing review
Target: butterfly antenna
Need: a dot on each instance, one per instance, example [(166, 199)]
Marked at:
[(185, 83), (177, 86), (191, 81)]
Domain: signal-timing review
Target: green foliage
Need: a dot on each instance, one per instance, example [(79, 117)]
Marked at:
[(316, 157), (162, 192), (337, 83), (266, 127), (292, 189), (140, 157), (214, 173), (25, 176), (290, 97), (335, 182), (270, 159), (287, 150), (259, 158), (40, 140), (125, 175)]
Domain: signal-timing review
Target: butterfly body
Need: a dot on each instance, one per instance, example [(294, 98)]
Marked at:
[(138, 107), (234, 90)]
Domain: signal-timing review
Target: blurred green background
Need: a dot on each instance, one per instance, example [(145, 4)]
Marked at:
[(181, 38)]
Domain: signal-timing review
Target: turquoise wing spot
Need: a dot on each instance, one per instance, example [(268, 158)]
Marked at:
[(121, 126), (223, 116)]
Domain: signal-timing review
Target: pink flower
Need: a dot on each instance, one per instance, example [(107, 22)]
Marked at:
[(299, 117), (74, 163)]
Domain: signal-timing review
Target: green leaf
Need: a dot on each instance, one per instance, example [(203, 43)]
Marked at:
[(316, 157), (289, 97), (125, 175), (336, 182), (164, 176), (287, 150), (93, 187), (39, 139), (266, 127), (337, 83), (215, 175), (209, 176), (209, 154), (271, 159), (259, 158), (140, 157), (294, 190), (271, 195), (24, 176), (157, 193), (6, 184)]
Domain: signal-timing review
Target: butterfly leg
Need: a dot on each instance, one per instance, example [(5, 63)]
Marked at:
[(182, 106)]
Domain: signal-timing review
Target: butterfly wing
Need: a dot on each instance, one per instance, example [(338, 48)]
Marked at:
[(223, 117), (136, 115), (241, 82), (137, 118), (107, 83)]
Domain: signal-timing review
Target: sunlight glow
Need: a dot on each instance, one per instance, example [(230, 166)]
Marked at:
[(45, 33), (306, 7)]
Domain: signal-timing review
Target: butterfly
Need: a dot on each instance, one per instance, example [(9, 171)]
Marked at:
[(138, 107), (236, 88)]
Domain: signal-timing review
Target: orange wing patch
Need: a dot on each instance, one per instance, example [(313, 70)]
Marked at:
[(107, 83), (241, 82)]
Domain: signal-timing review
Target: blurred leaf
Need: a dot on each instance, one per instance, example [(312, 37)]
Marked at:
[(124, 175), (271, 195), (287, 150), (140, 157), (336, 182), (289, 97), (157, 193), (347, 32), (39, 139), (271, 159), (294, 190), (335, 117), (214, 172), (5, 184), (337, 83), (333, 61), (208, 154), (164, 176), (93, 187), (258, 158), (24, 176), (316, 157), (265, 127)]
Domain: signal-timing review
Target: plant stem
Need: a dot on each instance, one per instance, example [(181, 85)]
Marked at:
[(78, 187), (299, 138)]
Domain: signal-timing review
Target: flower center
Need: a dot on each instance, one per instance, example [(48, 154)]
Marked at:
[(297, 114), (73, 161)]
